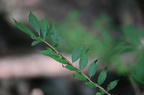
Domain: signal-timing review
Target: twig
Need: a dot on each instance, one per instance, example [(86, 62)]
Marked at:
[(70, 63)]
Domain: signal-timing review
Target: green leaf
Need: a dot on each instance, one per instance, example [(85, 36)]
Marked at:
[(92, 85), (92, 69), (79, 76), (44, 28), (35, 43), (112, 85), (26, 30), (83, 61), (49, 53), (72, 68), (102, 76), (61, 60), (99, 93), (76, 54), (34, 22), (55, 36), (53, 55)]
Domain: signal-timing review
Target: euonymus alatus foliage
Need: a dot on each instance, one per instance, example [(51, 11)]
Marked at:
[(43, 30)]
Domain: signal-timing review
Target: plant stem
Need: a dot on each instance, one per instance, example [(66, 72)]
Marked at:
[(70, 63)]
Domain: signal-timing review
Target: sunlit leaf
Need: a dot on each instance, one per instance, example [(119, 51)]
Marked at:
[(76, 54), (79, 76), (34, 22), (112, 85), (55, 36), (72, 68), (26, 30), (83, 61), (92, 85), (92, 69), (102, 76), (44, 28)]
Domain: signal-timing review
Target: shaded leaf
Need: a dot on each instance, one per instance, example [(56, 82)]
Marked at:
[(72, 68), (92, 69), (76, 54), (99, 93), (102, 76), (35, 43), (79, 76), (83, 61), (61, 60), (55, 36), (92, 85), (112, 85), (34, 22), (26, 30), (44, 28), (49, 53)]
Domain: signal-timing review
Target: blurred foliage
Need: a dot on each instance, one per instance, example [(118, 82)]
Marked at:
[(109, 49), (74, 33)]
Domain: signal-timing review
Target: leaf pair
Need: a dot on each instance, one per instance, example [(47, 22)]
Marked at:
[(110, 86), (102, 77), (42, 27), (80, 53)]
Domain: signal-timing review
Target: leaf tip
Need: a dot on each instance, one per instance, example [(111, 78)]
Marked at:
[(96, 60)]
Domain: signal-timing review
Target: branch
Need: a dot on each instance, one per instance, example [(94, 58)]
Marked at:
[(70, 63)]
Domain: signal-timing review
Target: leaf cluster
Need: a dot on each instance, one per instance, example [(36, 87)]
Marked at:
[(42, 29), (79, 53)]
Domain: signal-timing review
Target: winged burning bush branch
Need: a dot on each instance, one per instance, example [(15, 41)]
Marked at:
[(43, 29)]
